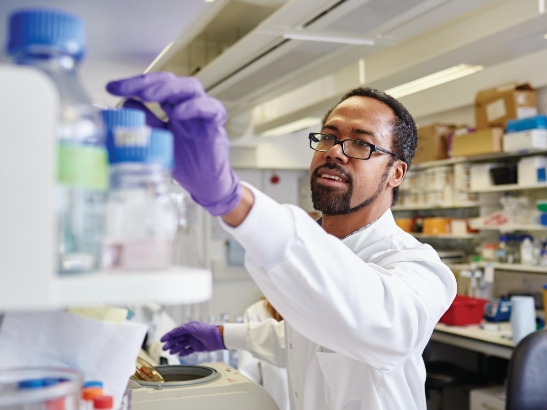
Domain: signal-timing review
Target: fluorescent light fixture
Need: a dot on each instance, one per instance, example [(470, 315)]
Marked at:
[(328, 38), (432, 80), (545, 36), (291, 127)]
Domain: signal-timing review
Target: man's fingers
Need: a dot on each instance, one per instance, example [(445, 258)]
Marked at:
[(151, 119), (158, 87), (205, 108)]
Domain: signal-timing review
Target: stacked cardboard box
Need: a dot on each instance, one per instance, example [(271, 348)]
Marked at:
[(493, 108)]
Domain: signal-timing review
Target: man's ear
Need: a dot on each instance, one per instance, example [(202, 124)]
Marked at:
[(397, 174)]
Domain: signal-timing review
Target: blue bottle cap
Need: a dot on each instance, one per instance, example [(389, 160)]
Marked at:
[(120, 118), (92, 383), (155, 148), (124, 118), (30, 384), (39, 30), (51, 381), (160, 150)]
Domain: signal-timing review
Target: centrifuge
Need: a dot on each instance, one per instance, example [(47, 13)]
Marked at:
[(204, 387)]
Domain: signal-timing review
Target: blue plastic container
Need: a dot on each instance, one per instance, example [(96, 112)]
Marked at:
[(497, 310), (524, 124)]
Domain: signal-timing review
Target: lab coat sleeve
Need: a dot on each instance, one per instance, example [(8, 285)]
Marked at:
[(265, 340), (377, 311)]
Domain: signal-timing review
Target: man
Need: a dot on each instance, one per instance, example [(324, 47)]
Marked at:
[(360, 297)]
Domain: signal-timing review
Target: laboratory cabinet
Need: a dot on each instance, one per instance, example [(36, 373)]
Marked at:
[(28, 278)]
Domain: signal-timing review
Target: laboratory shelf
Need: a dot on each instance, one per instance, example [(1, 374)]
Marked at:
[(512, 267), (424, 208), (478, 158), (446, 236), (512, 228), (516, 267), (511, 187), (176, 285)]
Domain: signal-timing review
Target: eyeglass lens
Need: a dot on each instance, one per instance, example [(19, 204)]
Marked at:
[(353, 148)]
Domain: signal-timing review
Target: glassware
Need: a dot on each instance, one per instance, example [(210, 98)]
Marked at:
[(141, 215), (39, 388), (53, 42)]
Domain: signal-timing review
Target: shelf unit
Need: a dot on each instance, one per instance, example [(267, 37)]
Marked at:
[(427, 208), (502, 266), (511, 187), (446, 236), (28, 277), (478, 158), (513, 228)]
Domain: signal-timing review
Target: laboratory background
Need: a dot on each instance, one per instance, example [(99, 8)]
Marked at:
[(82, 310)]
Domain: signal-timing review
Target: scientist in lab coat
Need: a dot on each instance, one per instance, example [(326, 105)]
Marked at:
[(360, 297)]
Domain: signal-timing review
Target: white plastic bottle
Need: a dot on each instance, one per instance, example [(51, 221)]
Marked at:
[(54, 42), (527, 251), (141, 217)]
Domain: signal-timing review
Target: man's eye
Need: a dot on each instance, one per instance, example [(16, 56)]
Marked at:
[(360, 143)]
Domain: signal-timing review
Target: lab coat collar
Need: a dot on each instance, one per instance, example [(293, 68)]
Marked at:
[(384, 226)]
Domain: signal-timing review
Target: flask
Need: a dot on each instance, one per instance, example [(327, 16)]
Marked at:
[(53, 42), (141, 218)]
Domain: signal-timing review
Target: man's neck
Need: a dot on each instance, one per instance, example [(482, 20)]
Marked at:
[(343, 225)]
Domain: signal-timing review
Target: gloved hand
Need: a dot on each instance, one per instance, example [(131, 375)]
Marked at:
[(193, 337), (202, 164)]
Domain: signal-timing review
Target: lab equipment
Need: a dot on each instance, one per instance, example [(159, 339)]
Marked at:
[(497, 310), (193, 337), (53, 42), (202, 167), (141, 219), (39, 388), (213, 385)]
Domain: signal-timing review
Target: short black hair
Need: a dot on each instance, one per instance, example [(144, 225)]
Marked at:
[(404, 135)]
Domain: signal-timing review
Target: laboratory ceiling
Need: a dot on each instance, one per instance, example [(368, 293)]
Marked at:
[(248, 52)]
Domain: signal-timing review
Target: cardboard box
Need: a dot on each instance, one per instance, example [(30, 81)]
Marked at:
[(478, 143), (432, 143), (494, 106)]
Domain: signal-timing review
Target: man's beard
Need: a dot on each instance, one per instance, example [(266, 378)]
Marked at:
[(330, 202)]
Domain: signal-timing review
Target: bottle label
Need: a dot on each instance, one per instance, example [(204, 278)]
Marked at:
[(82, 166)]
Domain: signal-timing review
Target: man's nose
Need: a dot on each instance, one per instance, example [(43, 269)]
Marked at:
[(336, 153)]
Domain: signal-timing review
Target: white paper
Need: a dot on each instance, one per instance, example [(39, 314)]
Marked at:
[(100, 350), (496, 110)]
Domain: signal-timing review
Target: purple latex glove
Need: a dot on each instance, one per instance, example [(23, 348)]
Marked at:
[(202, 164), (193, 337)]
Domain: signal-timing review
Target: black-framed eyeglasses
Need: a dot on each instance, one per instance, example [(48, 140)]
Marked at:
[(356, 149)]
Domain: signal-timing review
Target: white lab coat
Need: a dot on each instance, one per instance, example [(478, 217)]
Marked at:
[(358, 312), (272, 378)]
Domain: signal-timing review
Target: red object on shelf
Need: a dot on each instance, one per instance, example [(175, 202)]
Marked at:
[(463, 311)]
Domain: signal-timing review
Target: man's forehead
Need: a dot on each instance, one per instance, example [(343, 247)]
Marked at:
[(365, 108)]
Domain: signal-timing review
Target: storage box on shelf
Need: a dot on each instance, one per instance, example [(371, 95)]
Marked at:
[(532, 170), (495, 106), (28, 278), (432, 144), (485, 141)]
